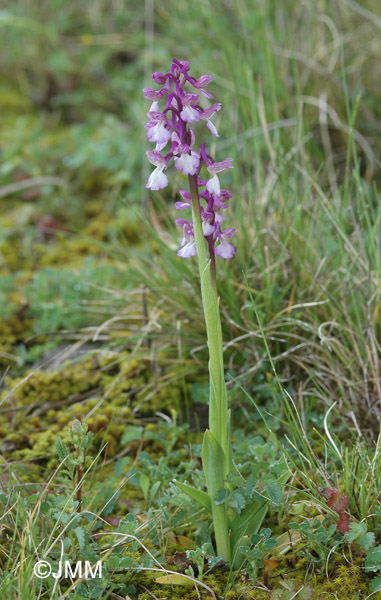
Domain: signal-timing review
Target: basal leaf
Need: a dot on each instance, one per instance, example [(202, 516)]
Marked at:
[(201, 497), (247, 523)]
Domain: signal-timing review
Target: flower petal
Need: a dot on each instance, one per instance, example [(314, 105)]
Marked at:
[(227, 234), (188, 164), (157, 180), (213, 185), (157, 132), (154, 108), (208, 228), (188, 250), (225, 250), (159, 78), (219, 217), (202, 81), (189, 114), (186, 195)]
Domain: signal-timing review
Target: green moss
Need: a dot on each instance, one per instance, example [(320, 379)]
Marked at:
[(109, 386), (13, 329)]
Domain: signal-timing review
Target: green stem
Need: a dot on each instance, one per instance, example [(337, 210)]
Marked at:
[(219, 416), (218, 405)]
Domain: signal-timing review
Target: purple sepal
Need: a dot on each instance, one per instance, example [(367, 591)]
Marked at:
[(155, 95), (217, 167), (182, 205), (202, 81)]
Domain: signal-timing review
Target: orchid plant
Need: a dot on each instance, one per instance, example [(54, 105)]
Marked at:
[(171, 130)]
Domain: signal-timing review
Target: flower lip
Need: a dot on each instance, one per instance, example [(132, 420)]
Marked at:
[(157, 130), (189, 249), (157, 180), (207, 226), (190, 113), (225, 250), (188, 244), (213, 185), (188, 164)]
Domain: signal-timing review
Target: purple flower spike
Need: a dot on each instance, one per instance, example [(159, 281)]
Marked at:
[(174, 124)]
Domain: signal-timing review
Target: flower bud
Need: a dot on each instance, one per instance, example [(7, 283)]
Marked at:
[(76, 426), (159, 78)]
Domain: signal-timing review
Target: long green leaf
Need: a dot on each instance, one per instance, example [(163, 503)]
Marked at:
[(214, 463), (201, 497), (249, 521)]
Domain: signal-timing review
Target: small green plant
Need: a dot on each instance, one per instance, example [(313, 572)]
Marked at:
[(82, 440), (200, 556), (255, 549)]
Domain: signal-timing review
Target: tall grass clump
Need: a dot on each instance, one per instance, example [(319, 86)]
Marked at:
[(304, 200)]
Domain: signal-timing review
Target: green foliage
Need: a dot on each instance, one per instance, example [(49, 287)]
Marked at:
[(290, 589), (320, 538), (375, 584), (62, 449), (254, 549), (366, 542), (373, 559), (358, 532)]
